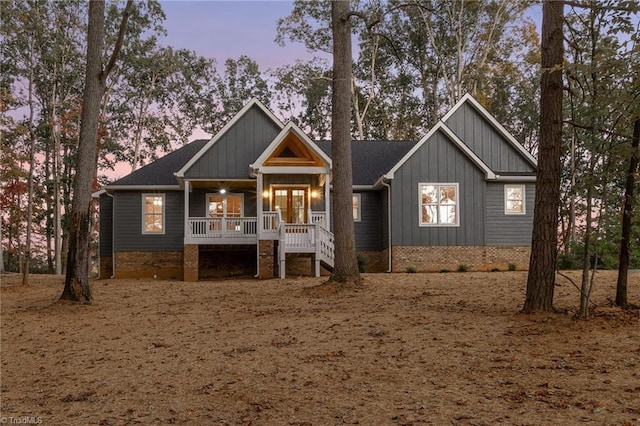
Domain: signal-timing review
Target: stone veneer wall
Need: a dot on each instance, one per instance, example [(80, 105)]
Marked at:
[(475, 258), (190, 264), (267, 257), (148, 264), (377, 261), (106, 267)]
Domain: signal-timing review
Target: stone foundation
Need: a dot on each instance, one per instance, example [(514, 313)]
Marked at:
[(106, 267), (190, 264), (302, 265), (185, 265), (267, 259), (376, 261), (445, 258), (149, 264)]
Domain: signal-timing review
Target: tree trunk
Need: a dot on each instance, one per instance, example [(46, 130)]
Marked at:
[(623, 266), (542, 265), (585, 289), (346, 263), (32, 164), (1, 252), (76, 286)]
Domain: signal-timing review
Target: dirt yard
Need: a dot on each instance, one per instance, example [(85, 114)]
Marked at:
[(404, 349)]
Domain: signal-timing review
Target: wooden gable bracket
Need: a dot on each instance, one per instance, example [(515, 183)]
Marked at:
[(293, 152)]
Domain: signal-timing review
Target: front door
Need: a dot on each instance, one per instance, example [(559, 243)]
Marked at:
[(292, 203)]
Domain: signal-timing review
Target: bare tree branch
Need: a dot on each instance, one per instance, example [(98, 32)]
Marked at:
[(118, 46)]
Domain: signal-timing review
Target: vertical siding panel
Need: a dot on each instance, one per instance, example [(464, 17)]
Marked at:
[(231, 155), (508, 230), (438, 161), (106, 225), (369, 229), (486, 141), (128, 226)]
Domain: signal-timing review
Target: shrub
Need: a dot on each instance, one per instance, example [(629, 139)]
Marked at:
[(463, 268), (512, 267), (362, 263), (410, 270)]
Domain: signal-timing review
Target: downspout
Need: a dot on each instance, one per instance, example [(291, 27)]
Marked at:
[(259, 209), (383, 183)]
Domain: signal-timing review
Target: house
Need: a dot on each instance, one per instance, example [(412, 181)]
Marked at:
[(256, 199)]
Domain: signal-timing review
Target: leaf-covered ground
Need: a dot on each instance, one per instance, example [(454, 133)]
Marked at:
[(404, 349)]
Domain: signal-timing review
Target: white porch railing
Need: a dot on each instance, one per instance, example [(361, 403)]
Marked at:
[(324, 246), (313, 237), (222, 229), (270, 225), (318, 217), (305, 238)]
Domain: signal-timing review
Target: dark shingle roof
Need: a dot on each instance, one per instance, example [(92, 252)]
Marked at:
[(161, 171), (372, 159)]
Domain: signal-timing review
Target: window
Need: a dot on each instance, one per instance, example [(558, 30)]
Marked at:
[(224, 205), (438, 204), (225, 209), (357, 199), (514, 202), (153, 213)]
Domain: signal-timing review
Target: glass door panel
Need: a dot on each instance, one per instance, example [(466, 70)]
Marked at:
[(298, 210), (292, 203)]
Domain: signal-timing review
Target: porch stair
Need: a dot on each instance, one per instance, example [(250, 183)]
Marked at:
[(312, 238)]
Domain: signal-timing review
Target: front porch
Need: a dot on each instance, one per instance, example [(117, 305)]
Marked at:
[(272, 236), (283, 200)]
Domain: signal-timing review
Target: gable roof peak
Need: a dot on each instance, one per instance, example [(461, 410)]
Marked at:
[(469, 99), (254, 102)]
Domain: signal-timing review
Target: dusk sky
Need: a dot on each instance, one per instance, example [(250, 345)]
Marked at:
[(229, 29)]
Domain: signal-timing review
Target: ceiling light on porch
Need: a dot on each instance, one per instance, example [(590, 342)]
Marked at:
[(223, 191)]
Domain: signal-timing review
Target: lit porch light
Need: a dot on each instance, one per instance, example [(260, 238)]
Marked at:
[(266, 193), (314, 194), (223, 191)]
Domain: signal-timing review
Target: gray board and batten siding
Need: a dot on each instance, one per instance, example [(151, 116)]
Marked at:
[(369, 230), (127, 208), (106, 225), (486, 142), (229, 157), (426, 165), (503, 229)]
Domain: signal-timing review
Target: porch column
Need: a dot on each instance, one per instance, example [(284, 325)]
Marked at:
[(259, 203), (327, 203), (187, 187)]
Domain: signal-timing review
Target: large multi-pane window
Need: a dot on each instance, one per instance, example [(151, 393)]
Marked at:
[(514, 199), (227, 207), (439, 204), (153, 213)]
